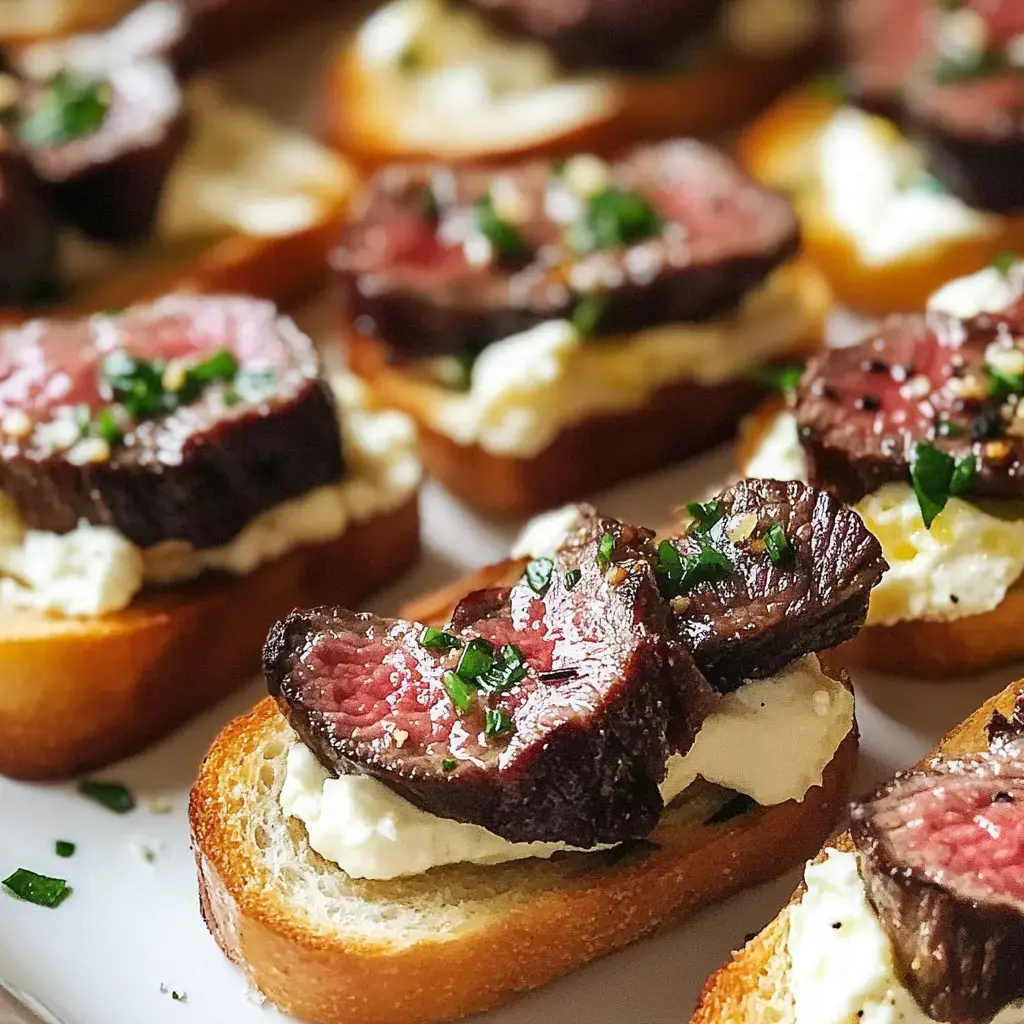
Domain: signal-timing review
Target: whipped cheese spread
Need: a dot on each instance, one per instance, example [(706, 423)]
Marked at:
[(986, 291), (370, 831), (842, 969), (95, 570), (875, 191), (528, 388)]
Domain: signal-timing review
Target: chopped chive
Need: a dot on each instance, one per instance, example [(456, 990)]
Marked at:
[(476, 659), (1002, 384), (669, 571), (496, 721), (107, 427), (507, 669), (438, 640), (64, 849), (706, 515), (507, 242), (605, 550), (588, 313), (937, 476), (69, 107), (538, 575), (1004, 262), (777, 543), (677, 575), (458, 690), (963, 475), (38, 889), (112, 795), (613, 217), (448, 764), (783, 379), (572, 577)]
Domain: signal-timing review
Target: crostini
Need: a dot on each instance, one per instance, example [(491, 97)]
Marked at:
[(559, 767), (120, 185), (914, 915), (173, 478), (556, 327), (505, 78), (890, 216), (919, 427)]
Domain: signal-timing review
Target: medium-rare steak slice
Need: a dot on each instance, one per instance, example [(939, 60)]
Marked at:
[(955, 385), (441, 260), (181, 420), (617, 33), (769, 571), (544, 712), (941, 853)]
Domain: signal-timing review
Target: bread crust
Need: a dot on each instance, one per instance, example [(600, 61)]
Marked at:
[(362, 118), (679, 421), (79, 693), (779, 149), (738, 992), (917, 649)]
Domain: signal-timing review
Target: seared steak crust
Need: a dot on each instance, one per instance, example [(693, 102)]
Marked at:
[(28, 231), (407, 278), (197, 474), (605, 698), (750, 622), (941, 853)]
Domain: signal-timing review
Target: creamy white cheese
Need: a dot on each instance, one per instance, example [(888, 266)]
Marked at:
[(779, 454), (95, 570), (867, 172), (987, 291), (528, 388), (842, 969), (543, 535), (370, 831)]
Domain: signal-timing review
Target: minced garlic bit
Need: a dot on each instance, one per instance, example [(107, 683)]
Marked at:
[(89, 451), (741, 527)]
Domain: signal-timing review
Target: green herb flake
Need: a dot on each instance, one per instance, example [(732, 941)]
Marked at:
[(69, 107), (613, 217), (538, 575), (777, 543), (572, 577), (456, 372), (105, 426), (706, 515), (458, 689), (476, 659), (448, 764), (830, 87), (506, 241), (937, 477), (507, 669), (588, 313), (438, 640), (773, 377), (64, 849), (1001, 384), (496, 721), (1004, 262), (112, 795), (180, 997), (38, 889), (605, 550), (948, 70), (677, 575)]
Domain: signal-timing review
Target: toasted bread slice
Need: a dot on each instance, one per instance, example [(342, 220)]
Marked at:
[(678, 421), (337, 950), (781, 149), (918, 649), (251, 207), (81, 692), (752, 988), (377, 111)]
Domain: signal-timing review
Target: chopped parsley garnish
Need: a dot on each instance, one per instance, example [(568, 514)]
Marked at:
[(476, 659), (572, 577), (438, 640), (507, 668), (538, 575), (137, 384), (506, 241), (496, 721), (38, 889), (448, 764), (69, 107), (1002, 384), (778, 378), (612, 217), (706, 515), (588, 313), (777, 543), (105, 426), (112, 795), (64, 849), (947, 70), (678, 575), (458, 689), (605, 550), (1004, 262), (937, 477)]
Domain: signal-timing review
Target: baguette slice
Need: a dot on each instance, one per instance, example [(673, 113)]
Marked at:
[(252, 208), (916, 649), (752, 987), (78, 693), (679, 421), (331, 949)]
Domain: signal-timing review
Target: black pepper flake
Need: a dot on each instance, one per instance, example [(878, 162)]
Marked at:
[(557, 675), (987, 424), (837, 925), (874, 366), (954, 598), (868, 403)]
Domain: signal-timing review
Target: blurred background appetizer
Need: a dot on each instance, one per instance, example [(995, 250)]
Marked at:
[(172, 479), (557, 326)]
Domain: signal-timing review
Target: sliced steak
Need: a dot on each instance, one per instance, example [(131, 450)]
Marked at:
[(862, 410), (676, 233), (797, 575), (182, 420), (570, 747), (602, 33), (105, 145), (941, 853)]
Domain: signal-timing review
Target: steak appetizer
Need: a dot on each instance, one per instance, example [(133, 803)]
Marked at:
[(528, 315), (916, 914), (194, 439), (919, 425)]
